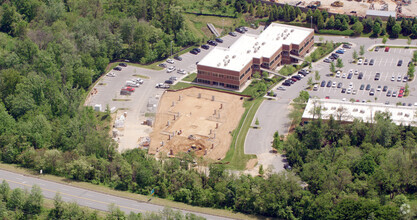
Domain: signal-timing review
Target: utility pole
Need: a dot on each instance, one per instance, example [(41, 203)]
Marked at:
[(311, 23)]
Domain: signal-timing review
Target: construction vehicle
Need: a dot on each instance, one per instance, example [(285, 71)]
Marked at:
[(337, 4), (314, 4)]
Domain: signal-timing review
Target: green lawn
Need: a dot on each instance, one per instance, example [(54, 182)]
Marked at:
[(190, 78), (235, 157)]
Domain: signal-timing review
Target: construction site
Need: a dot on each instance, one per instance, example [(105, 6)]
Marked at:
[(196, 120), (403, 8)]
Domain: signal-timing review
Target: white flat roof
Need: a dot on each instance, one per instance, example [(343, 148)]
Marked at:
[(381, 13), (348, 111), (248, 46)]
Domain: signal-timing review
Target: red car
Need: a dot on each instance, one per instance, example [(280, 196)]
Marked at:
[(327, 97), (400, 95), (386, 49), (294, 79), (402, 89), (127, 88)]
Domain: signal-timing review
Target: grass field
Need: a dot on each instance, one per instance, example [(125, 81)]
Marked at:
[(124, 194), (236, 157), (190, 78)]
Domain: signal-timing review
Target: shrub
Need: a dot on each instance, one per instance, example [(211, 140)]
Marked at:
[(336, 32)]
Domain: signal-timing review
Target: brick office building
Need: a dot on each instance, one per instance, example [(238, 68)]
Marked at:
[(277, 45)]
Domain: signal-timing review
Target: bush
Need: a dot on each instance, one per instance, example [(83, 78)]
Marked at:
[(336, 32)]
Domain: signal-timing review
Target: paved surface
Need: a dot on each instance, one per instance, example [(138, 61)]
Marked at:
[(91, 199), (273, 114)]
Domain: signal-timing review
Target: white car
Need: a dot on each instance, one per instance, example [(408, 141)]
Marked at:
[(181, 71), (281, 88), (344, 75), (349, 90), (351, 85), (356, 72), (170, 69), (351, 71), (111, 74), (171, 61), (316, 87), (334, 85), (140, 81), (354, 92), (360, 61), (399, 78), (338, 74), (393, 78)]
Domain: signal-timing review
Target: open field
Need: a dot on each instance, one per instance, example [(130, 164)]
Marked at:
[(184, 122)]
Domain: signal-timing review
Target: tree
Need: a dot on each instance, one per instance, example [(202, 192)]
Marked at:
[(339, 63), (317, 75), (362, 50), (17, 199), (332, 67), (330, 23), (34, 201), (355, 55), (310, 81), (411, 70), (384, 39), (357, 28), (396, 30), (415, 56), (390, 23), (345, 25), (320, 23), (257, 121), (261, 170), (367, 25), (376, 29), (409, 41)]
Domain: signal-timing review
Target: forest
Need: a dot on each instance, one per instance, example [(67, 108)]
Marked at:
[(51, 51)]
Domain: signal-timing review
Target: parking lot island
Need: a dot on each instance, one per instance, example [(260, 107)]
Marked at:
[(196, 120)]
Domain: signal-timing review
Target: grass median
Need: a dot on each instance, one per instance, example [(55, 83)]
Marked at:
[(236, 157)]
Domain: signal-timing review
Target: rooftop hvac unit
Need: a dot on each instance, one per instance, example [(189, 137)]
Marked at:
[(227, 56), (282, 34), (256, 43), (219, 64), (292, 30), (285, 38), (234, 56), (285, 31), (263, 43), (248, 51), (258, 47)]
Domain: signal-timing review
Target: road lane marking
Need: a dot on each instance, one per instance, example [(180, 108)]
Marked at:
[(78, 197)]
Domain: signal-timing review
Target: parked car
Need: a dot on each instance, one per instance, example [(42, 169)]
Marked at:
[(173, 78), (205, 46), (181, 71), (170, 61), (350, 76), (334, 85), (394, 94), (281, 88), (368, 87), (323, 83), (385, 88), (405, 79), (194, 52), (327, 60), (347, 46), (338, 74), (372, 92), (219, 40), (400, 63), (399, 78), (377, 76), (392, 78), (329, 83), (360, 61), (233, 34), (212, 42), (163, 65), (409, 63), (178, 58), (389, 93), (344, 90), (339, 85), (378, 89), (360, 75), (128, 88), (169, 82), (123, 64), (170, 69), (316, 87), (376, 49), (130, 83), (117, 68), (386, 49), (365, 62), (197, 49), (340, 51), (362, 87), (371, 62)]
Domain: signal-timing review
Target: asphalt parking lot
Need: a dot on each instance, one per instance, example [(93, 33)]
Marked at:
[(385, 63)]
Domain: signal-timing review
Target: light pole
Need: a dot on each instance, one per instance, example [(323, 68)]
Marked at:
[(311, 23)]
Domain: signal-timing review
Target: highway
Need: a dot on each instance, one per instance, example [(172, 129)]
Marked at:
[(84, 197)]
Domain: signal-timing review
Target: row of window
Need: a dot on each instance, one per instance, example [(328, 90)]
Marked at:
[(217, 83), (217, 75)]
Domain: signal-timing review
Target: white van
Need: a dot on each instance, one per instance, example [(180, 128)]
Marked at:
[(132, 84)]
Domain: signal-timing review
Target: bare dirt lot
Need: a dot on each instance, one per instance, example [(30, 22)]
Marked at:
[(196, 120)]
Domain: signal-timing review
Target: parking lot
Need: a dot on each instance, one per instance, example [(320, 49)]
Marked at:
[(385, 63)]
